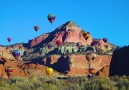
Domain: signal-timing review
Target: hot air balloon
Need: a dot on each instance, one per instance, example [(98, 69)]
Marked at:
[(94, 43), (9, 70), (49, 71), (79, 44), (58, 42), (92, 71), (9, 39), (89, 56), (49, 46), (51, 18), (16, 54), (93, 56), (105, 40), (36, 28), (86, 35), (89, 75)]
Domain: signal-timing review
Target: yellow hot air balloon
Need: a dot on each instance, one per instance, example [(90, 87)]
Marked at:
[(49, 71)]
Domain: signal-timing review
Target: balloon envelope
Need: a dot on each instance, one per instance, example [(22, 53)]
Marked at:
[(9, 70), (16, 53), (92, 71), (105, 40), (79, 44), (49, 71), (51, 18), (36, 28), (9, 39), (58, 42), (86, 35), (49, 46)]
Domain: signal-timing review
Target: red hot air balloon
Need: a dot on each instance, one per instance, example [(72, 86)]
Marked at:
[(105, 40), (9, 70), (36, 28), (51, 18), (9, 39), (58, 42)]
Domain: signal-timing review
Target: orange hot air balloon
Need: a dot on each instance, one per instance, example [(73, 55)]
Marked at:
[(92, 71), (86, 35), (36, 28)]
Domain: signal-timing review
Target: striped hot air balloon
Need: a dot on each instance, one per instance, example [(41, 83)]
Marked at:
[(51, 18), (9, 70), (86, 35)]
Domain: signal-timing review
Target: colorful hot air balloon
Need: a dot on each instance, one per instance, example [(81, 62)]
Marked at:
[(105, 40), (89, 75), (49, 46), (86, 35), (92, 71), (51, 18), (16, 54), (9, 70), (36, 28), (58, 42), (49, 71), (93, 56), (89, 56), (94, 43), (79, 44), (9, 39)]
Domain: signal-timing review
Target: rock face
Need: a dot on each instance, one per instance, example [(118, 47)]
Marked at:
[(104, 71), (67, 32), (7, 51), (16, 70), (80, 64), (120, 62)]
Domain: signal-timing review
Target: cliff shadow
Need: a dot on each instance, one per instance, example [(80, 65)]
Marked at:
[(62, 64), (120, 62), (2, 61)]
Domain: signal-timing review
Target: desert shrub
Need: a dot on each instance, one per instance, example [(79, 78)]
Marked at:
[(103, 83), (71, 83)]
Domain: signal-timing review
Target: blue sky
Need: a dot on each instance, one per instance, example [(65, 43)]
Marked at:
[(102, 18)]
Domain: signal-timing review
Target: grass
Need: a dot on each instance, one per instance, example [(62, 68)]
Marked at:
[(72, 83)]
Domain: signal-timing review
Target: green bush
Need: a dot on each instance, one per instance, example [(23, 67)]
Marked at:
[(71, 83)]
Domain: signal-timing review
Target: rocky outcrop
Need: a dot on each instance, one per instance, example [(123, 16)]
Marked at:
[(120, 62), (104, 71), (6, 51), (80, 64), (4, 62), (67, 32)]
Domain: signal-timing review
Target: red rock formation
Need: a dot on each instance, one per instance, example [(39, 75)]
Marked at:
[(37, 40), (104, 71), (80, 65), (4, 62), (68, 32)]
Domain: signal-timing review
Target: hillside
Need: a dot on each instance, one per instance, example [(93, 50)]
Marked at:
[(44, 51)]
